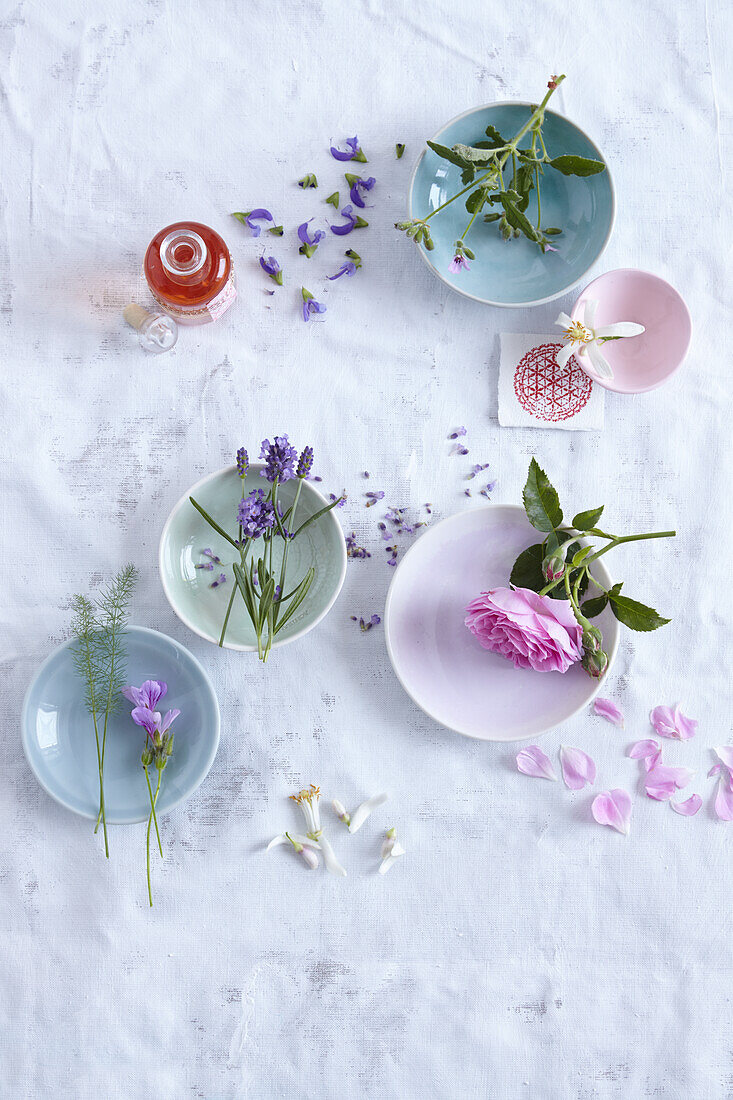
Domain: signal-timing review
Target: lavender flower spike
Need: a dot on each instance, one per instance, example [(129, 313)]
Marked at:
[(310, 305), (242, 462), (251, 217), (270, 265), (256, 514), (354, 151), (357, 185), (305, 462), (279, 459)]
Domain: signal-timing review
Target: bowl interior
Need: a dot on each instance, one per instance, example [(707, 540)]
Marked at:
[(186, 534), (642, 362), (516, 272), (58, 735), (441, 664)]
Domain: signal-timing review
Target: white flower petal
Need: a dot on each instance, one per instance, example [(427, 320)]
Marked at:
[(589, 312), (564, 354), (361, 813), (598, 361), (391, 858), (329, 858), (621, 328), (563, 320), (297, 837)]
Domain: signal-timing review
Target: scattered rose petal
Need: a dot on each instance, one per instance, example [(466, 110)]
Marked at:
[(724, 753), (715, 770), (613, 808), (641, 749), (669, 722), (662, 781), (607, 709), (533, 761), (577, 768), (361, 813), (689, 807), (724, 798)]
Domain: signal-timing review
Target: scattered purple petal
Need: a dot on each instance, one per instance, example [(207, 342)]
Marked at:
[(357, 186), (343, 230), (251, 218), (457, 433), (352, 147), (221, 579), (373, 497), (353, 550), (347, 268)]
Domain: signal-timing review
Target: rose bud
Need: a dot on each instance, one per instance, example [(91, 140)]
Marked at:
[(595, 664), (592, 639), (553, 567)]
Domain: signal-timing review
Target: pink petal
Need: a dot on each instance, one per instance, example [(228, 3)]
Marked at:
[(662, 781), (608, 710), (686, 727), (688, 808), (724, 753), (577, 768), (613, 808), (715, 770), (643, 748), (533, 761), (673, 723), (724, 799)]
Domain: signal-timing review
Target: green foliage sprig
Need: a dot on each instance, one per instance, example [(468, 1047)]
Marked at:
[(500, 173), (99, 653), (560, 567)]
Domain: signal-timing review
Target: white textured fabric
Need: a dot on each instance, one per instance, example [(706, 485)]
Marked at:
[(518, 950)]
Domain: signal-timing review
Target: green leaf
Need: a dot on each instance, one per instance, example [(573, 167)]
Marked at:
[(298, 596), (616, 589), (585, 521), (334, 199), (212, 523), (476, 200), (637, 616), (517, 219), (527, 569), (577, 166), (495, 138), (581, 555), (592, 608), (447, 154), (540, 500), (468, 175)]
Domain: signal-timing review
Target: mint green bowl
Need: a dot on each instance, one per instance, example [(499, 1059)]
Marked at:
[(186, 534)]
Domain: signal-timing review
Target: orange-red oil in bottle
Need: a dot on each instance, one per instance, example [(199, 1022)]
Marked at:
[(189, 271)]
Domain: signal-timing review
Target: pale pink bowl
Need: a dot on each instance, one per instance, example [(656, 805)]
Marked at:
[(639, 363)]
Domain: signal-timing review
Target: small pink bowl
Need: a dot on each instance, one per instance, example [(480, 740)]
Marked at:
[(639, 363)]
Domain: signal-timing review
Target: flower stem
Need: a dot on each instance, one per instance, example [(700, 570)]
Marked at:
[(285, 554), (152, 805), (153, 800), (628, 538)]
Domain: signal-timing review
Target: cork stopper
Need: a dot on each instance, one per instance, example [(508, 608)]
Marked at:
[(135, 315)]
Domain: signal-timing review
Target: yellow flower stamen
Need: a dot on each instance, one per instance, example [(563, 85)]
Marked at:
[(578, 333)]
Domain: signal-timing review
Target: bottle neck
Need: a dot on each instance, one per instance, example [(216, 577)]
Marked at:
[(184, 256)]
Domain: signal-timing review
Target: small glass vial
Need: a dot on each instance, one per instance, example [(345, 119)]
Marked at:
[(157, 332), (189, 271)]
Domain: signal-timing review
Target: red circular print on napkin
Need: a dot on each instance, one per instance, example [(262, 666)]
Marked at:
[(546, 391)]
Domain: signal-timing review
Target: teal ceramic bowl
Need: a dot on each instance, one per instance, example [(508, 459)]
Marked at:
[(186, 534), (58, 736), (515, 272)]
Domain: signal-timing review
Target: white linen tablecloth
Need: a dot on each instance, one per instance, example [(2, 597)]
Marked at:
[(519, 949)]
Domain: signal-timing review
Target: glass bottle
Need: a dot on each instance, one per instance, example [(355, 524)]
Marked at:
[(189, 271)]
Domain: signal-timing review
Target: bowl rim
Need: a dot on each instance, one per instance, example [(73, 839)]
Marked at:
[(603, 574), (123, 819), (594, 261), (608, 384), (236, 646)]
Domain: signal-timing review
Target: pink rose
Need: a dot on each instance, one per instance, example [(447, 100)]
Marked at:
[(531, 630)]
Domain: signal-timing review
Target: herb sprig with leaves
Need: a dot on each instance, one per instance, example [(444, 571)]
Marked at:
[(501, 174), (268, 600), (99, 653), (560, 567)]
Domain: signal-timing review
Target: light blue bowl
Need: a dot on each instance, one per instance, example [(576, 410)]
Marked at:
[(515, 272), (58, 736), (186, 534)]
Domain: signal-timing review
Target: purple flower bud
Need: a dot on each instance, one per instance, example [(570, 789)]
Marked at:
[(242, 462), (305, 462)]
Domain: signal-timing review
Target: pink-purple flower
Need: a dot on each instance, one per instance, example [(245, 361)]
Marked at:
[(311, 307), (148, 695), (353, 151), (459, 263), (256, 514), (309, 241), (354, 221), (530, 630), (357, 185), (251, 217), (270, 265)]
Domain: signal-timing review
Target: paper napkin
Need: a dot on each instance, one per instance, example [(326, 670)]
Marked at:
[(535, 393)]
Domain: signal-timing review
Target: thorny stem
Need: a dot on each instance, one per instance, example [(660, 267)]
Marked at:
[(614, 541)]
